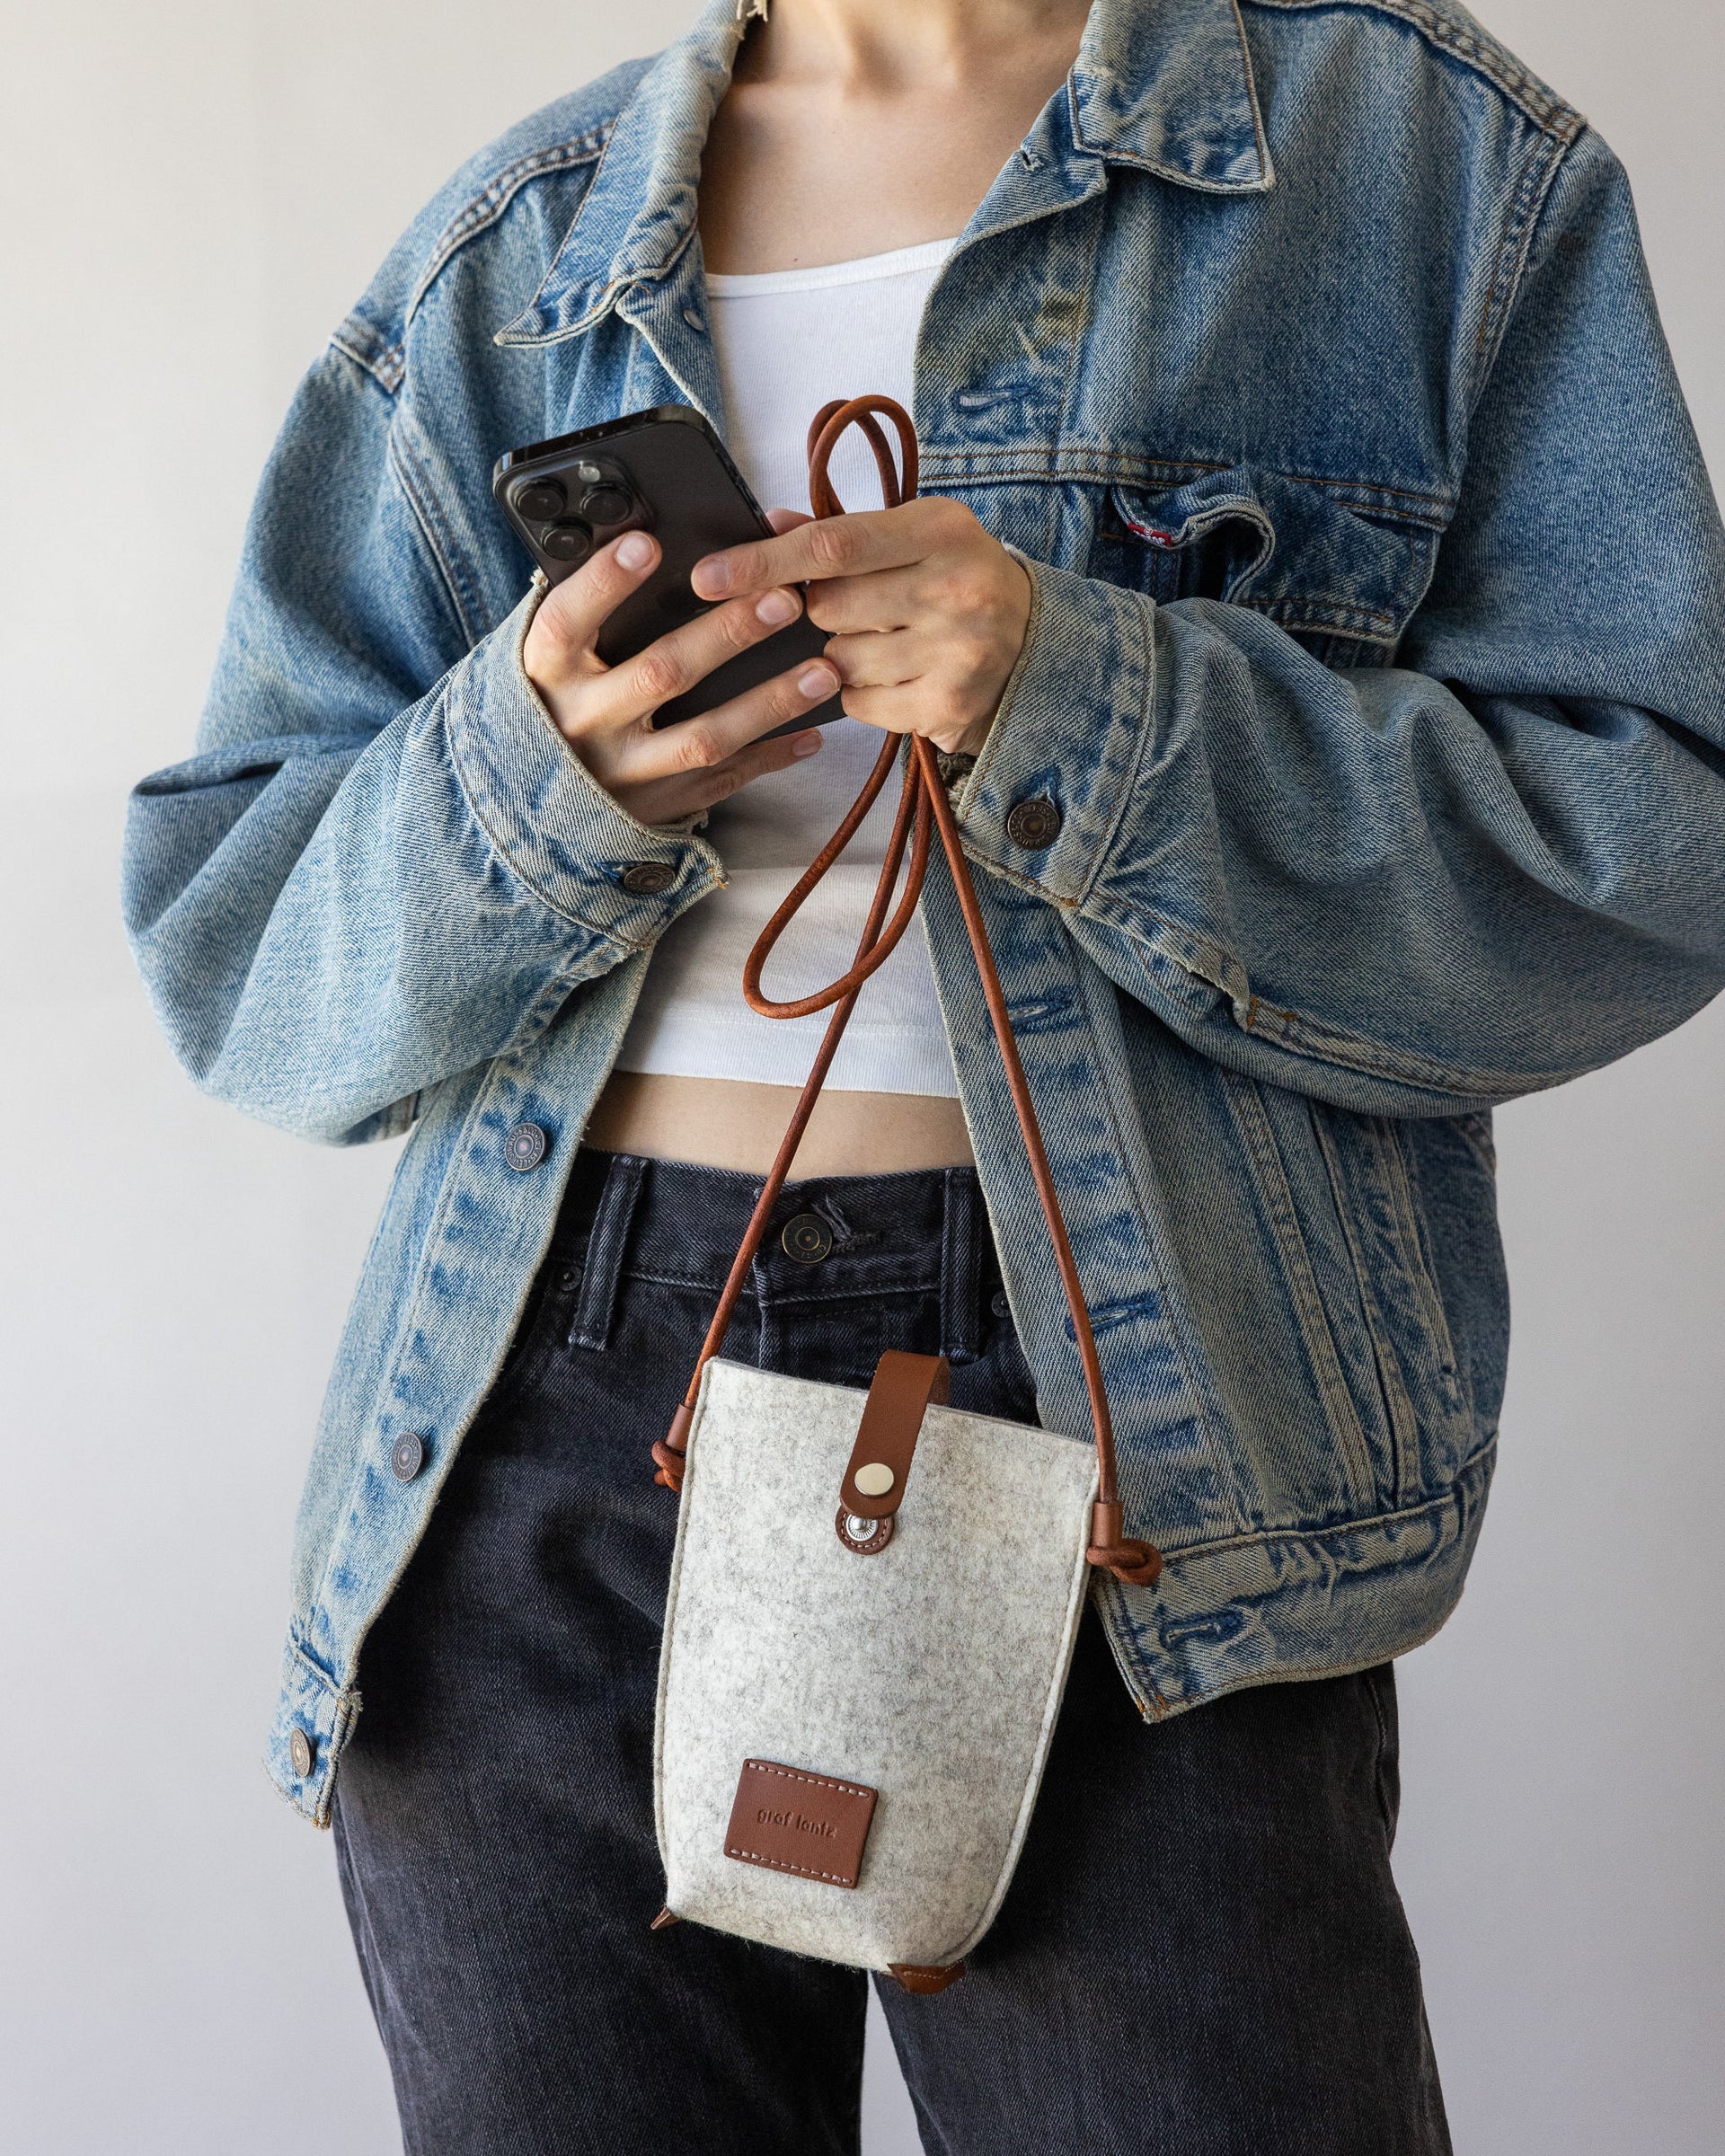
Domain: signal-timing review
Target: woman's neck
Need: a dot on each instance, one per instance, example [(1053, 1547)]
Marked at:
[(852, 127), (886, 48)]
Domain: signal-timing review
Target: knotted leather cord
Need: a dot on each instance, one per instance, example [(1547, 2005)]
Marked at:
[(922, 807)]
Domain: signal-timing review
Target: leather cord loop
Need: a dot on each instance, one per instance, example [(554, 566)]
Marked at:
[(923, 809)]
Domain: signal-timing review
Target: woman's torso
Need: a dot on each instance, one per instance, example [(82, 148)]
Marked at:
[(826, 212)]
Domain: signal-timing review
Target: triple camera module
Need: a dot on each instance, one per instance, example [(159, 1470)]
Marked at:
[(570, 533)]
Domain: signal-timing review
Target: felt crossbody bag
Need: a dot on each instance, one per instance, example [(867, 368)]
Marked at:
[(874, 1596)]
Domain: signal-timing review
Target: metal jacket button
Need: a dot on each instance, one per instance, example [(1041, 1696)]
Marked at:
[(646, 878), (407, 1456), (807, 1238), (1033, 824), (525, 1147), (302, 1752)]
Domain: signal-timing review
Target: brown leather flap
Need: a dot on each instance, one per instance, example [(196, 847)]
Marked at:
[(904, 1386)]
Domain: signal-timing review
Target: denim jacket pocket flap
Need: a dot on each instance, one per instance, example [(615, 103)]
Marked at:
[(1343, 580)]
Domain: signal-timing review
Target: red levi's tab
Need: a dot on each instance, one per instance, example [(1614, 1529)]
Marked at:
[(810, 1824)]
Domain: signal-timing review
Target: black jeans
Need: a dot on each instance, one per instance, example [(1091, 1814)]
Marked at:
[(1203, 1949)]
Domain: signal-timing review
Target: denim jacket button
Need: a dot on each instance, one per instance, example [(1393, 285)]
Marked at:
[(303, 1753), (647, 879), (525, 1147), (407, 1456), (1033, 824)]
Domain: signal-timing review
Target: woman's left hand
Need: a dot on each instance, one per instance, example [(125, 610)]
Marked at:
[(925, 611)]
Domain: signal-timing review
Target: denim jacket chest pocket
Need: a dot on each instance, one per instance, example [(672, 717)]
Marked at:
[(1343, 580)]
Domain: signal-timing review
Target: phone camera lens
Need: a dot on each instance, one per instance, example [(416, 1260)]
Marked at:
[(539, 500), (605, 504), (571, 541)]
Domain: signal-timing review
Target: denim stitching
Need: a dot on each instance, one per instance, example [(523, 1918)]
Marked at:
[(387, 367), (1403, 1429), (1092, 464), (1252, 1121), (500, 1074), (1401, 1181), (423, 521), (607, 296), (1137, 1660), (1259, 134), (1542, 105), (414, 451), (487, 207), (1538, 177), (1076, 344), (1309, 1538)]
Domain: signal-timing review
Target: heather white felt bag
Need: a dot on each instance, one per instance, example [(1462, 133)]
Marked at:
[(874, 1597)]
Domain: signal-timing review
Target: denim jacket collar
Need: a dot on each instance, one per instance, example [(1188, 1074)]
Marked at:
[(1166, 89)]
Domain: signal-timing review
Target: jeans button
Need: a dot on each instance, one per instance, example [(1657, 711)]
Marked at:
[(407, 1456), (647, 879), (1033, 824), (525, 1147), (998, 1303), (303, 1753), (807, 1238)]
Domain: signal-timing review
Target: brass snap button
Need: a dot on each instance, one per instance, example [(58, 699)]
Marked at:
[(875, 1480), (807, 1238), (1033, 824)]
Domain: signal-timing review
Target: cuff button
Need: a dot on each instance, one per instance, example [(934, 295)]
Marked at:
[(1034, 822), (303, 1753), (647, 879)]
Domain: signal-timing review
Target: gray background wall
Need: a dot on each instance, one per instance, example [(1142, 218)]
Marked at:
[(195, 190)]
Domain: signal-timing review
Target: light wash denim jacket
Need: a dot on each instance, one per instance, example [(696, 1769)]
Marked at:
[(1376, 670)]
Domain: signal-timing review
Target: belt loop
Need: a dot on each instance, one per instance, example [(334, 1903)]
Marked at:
[(605, 1249), (960, 1269)]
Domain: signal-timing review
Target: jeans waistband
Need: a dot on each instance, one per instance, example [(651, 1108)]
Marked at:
[(832, 1238)]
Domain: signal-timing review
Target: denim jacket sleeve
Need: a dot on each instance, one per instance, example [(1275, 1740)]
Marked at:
[(385, 865), (1488, 868)]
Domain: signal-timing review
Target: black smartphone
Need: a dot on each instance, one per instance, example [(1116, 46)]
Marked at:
[(664, 472)]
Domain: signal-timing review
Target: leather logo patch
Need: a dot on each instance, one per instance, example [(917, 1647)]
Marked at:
[(791, 1821)]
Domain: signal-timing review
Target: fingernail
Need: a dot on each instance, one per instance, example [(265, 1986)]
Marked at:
[(711, 576), (776, 608), (818, 681), (634, 551), (806, 744)]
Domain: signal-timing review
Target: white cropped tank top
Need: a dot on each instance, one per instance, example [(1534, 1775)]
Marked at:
[(787, 343)]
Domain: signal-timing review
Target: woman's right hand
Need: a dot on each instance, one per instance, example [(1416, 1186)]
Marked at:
[(606, 712)]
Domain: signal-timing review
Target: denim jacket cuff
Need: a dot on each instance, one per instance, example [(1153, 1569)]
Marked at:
[(1054, 772), (546, 816)]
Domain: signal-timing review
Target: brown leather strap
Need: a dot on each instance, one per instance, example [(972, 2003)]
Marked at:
[(922, 803), (892, 1421)]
